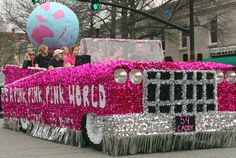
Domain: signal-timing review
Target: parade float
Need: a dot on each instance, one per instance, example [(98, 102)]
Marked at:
[(136, 104)]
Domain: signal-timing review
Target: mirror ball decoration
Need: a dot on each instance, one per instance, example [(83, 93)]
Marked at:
[(52, 24)]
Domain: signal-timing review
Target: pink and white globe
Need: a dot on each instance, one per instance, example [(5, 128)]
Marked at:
[(53, 24)]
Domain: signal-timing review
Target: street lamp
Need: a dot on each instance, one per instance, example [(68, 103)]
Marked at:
[(97, 28)]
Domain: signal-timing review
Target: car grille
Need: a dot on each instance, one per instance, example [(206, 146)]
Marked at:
[(179, 92)]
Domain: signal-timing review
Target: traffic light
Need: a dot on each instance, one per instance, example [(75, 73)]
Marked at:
[(95, 6), (35, 1)]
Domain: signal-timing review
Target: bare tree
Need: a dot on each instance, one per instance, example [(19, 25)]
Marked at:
[(3, 25), (8, 45), (121, 21), (17, 12), (146, 27), (116, 21), (113, 22), (131, 25)]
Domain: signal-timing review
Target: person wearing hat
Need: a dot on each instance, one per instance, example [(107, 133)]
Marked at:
[(57, 60)]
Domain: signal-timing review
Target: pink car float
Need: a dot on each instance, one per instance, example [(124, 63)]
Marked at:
[(126, 107)]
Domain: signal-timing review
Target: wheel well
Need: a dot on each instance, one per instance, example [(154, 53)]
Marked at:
[(83, 125), (86, 141)]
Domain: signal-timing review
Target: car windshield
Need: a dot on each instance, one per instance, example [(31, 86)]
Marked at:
[(134, 50)]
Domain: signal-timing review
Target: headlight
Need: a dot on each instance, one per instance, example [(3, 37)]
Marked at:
[(231, 77), (219, 76), (136, 76), (120, 76)]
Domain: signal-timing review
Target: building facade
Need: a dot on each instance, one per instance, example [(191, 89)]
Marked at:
[(215, 31), (215, 28), (12, 44)]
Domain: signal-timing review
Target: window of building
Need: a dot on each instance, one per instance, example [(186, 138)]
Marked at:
[(184, 40), (214, 31)]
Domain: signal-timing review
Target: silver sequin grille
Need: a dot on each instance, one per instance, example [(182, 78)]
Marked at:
[(179, 92)]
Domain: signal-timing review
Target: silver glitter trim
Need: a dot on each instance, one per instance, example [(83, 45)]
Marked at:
[(51, 133), (183, 82), (148, 133), (152, 124), (144, 133), (12, 123), (116, 146)]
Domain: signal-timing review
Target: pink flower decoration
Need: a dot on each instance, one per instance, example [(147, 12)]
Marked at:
[(13, 73)]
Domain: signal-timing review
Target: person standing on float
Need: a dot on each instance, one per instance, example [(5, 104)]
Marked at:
[(69, 59), (57, 60), (42, 60), (65, 49), (29, 59)]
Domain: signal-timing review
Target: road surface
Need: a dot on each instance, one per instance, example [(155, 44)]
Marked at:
[(19, 145)]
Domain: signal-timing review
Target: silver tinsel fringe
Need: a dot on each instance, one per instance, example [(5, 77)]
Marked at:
[(56, 134), (213, 131), (12, 123), (148, 133), (167, 142), (150, 124)]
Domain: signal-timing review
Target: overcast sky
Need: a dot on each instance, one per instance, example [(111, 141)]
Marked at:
[(10, 26)]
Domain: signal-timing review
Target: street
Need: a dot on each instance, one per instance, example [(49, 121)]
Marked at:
[(135, 75), (19, 145)]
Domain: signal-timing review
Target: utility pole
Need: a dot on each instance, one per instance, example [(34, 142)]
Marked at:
[(191, 29)]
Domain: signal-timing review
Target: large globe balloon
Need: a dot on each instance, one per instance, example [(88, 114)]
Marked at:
[(53, 24)]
